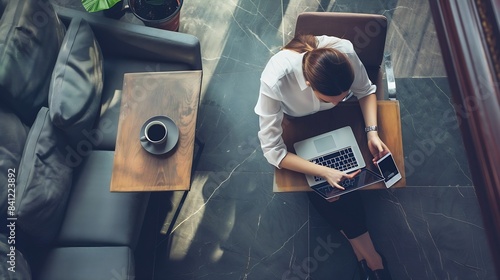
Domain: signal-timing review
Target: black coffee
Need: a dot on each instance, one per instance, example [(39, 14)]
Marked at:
[(156, 132)]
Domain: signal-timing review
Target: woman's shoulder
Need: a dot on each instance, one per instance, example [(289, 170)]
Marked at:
[(340, 44), (282, 63), (286, 56)]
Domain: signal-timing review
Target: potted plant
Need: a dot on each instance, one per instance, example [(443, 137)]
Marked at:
[(162, 14), (98, 5), (112, 8)]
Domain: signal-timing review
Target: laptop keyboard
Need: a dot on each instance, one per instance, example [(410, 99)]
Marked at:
[(341, 160)]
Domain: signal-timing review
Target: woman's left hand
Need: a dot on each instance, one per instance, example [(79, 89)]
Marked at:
[(377, 148)]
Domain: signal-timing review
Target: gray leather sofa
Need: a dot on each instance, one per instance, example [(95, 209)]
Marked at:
[(91, 233)]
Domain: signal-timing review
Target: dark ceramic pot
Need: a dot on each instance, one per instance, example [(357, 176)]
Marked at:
[(164, 14), (115, 12)]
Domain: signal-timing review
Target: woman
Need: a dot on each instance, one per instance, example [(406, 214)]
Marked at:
[(310, 74)]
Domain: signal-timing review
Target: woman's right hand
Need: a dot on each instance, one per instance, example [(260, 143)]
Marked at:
[(293, 162), (334, 176)]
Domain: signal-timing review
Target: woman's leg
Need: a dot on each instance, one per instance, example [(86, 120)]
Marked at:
[(364, 249), (358, 254), (348, 215)]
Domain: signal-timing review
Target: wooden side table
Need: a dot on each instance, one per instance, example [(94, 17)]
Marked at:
[(345, 114), (173, 94)]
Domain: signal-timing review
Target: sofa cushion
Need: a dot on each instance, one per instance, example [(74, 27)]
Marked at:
[(30, 37), (77, 81), (97, 217), (84, 263), (14, 134), (14, 265), (43, 182)]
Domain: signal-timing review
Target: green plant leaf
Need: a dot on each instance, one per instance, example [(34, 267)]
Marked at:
[(98, 5)]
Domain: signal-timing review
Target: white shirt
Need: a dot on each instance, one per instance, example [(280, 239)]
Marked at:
[(283, 90)]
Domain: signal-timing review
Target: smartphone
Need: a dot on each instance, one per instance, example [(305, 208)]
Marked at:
[(389, 170)]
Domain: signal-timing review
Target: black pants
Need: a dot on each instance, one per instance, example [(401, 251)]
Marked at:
[(346, 214)]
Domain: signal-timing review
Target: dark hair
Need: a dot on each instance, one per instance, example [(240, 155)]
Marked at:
[(302, 43), (326, 69)]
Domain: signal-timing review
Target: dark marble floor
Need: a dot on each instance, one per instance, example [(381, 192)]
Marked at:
[(232, 226)]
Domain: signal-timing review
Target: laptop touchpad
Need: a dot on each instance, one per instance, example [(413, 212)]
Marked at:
[(324, 143)]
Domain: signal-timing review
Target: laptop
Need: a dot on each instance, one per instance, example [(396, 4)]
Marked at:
[(336, 149)]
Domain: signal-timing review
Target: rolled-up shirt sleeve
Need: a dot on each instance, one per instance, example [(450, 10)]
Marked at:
[(361, 86), (270, 118)]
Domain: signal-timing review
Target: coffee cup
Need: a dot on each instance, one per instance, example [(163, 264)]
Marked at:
[(155, 132)]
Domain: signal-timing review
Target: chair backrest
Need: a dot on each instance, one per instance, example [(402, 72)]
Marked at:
[(367, 32)]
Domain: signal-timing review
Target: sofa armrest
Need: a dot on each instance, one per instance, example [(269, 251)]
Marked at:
[(118, 38)]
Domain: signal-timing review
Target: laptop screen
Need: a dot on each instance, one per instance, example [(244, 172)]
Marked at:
[(363, 179)]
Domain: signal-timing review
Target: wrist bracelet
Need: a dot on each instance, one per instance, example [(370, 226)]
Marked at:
[(371, 128)]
